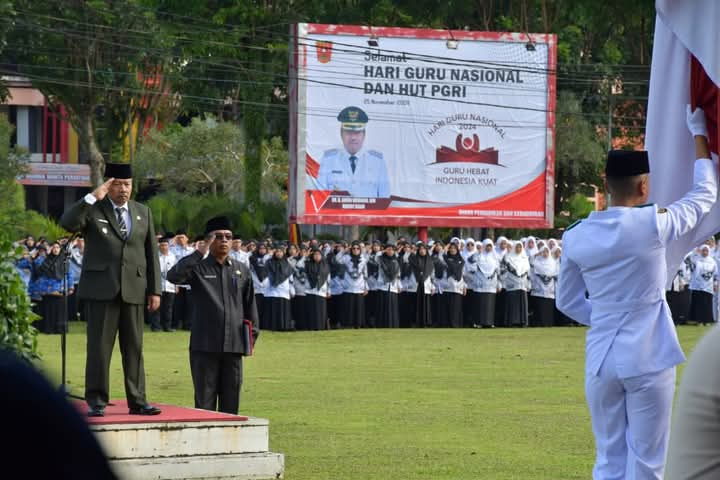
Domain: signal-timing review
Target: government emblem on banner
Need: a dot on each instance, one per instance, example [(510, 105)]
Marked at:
[(467, 149), (324, 51)]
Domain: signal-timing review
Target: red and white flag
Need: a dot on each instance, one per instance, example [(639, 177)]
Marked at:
[(685, 70)]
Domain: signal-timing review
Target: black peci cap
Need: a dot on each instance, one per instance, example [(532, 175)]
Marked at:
[(121, 171), (217, 223), (627, 163)]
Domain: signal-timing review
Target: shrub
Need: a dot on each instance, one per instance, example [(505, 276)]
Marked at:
[(16, 331)]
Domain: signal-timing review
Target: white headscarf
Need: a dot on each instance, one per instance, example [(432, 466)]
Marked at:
[(555, 250), (545, 266), (465, 253), (531, 252), (500, 252), (487, 262), (518, 261)]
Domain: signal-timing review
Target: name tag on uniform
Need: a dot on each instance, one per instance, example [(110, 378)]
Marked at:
[(337, 171), (209, 276)]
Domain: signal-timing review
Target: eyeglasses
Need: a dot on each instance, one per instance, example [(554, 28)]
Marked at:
[(223, 236), (356, 248)]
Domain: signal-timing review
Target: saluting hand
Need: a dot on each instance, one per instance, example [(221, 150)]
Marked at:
[(102, 190)]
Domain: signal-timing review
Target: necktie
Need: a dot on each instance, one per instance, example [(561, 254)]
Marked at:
[(121, 222), (353, 159)]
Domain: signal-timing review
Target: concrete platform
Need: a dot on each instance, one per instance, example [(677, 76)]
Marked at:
[(186, 443)]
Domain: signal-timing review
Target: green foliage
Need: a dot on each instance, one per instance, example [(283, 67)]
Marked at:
[(16, 317), (579, 154), (203, 158), (173, 211), (38, 225)]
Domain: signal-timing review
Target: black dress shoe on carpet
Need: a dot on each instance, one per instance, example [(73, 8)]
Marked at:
[(145, 410), (96, 412)]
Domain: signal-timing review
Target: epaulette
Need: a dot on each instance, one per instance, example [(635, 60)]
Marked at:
[(375, 153), (573, 225), (644, 205), (332, 151)]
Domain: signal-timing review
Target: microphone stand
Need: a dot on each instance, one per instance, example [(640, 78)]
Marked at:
[(66, 253)]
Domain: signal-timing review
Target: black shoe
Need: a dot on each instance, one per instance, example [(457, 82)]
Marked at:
[(145, 410), (96, 411)]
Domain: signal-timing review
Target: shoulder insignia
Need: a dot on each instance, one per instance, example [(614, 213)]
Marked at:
[(573, 225), (375, 153), (644, 205), (332, 151), (662, 210)]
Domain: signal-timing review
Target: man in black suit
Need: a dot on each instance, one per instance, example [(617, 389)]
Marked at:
[(120, 275), (225, 324)]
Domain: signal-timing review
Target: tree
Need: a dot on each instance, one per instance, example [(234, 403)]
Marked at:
[(102, 64), (579, 153), (12, 164)]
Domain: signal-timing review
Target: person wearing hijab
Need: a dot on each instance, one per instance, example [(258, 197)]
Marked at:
[(678, 294), (543, 278), (501, 247), (531, 249), (356, 287), (515, 283), (296, 259), (373, 273), (408, 284), (451, 288), (51, 285), (389, 286), (483, 277), (279, 291), (703, 285), (423, 271), (258, 268), (469, 248), (336, 304), (560, 318), (318, 291)]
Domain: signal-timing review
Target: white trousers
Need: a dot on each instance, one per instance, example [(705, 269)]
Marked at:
[(631, 422)]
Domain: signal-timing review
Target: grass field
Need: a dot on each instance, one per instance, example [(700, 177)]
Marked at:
[(397, 404)]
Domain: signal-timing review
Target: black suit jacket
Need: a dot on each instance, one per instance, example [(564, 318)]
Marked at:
[(111, 265)]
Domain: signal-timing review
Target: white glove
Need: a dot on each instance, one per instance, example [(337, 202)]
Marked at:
[(696, 122)]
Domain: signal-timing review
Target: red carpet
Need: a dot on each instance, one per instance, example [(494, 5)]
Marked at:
[(118, 413)]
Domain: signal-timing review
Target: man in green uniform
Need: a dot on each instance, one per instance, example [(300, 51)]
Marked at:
[(120, 276)]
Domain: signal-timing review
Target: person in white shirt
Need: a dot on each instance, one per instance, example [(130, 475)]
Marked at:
[(483, 281), (469, 248), (451, 288), (703, 285), (373, 273), (612, 278), (279, 291), (237, 252), (408, 286), (515, 281), (163, 318), (388, 315), (355, 286), (183, 308), (297, 257), (543, 277), (423, 269), (318, 278), (259, 272)]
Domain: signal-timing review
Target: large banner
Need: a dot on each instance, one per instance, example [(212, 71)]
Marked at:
[(414, 127)]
